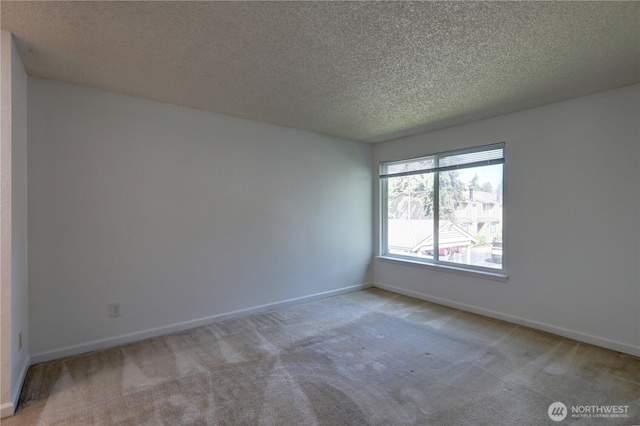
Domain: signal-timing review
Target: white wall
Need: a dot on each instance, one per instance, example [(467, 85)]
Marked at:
[(179, 215), (13, 170), (572, 210), (19, 262)]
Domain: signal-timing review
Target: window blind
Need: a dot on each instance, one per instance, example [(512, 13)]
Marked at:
[(452, 160)]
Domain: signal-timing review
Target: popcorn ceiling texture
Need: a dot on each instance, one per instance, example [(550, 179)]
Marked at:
[(360, 70)]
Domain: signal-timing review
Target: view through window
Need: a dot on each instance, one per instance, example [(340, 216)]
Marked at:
[(445, 208)]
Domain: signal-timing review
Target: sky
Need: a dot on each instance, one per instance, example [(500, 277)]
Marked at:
[(492, 174)]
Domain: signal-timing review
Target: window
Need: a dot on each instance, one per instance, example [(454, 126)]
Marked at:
[(422, 201)]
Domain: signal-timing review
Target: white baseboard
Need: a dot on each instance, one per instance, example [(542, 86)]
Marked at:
[(560, 331), (6, 410), (172, 328), (15, 392)]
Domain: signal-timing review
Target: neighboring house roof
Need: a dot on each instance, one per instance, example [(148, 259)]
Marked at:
[(488, 219), (417, 235), (464, 220), (405, 234), (485, 197)]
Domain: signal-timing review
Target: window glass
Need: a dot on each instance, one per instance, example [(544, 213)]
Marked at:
[(480, 188), (410, 215), (445, 208)]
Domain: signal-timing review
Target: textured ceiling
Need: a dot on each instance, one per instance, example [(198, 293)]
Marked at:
[(369, 71)]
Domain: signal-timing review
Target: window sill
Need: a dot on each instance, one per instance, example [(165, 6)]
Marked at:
[(495, 276)]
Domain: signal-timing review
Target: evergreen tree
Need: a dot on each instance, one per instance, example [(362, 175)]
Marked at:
[(452, 192), (475, 182)]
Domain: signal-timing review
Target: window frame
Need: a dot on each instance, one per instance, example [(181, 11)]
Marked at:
[(383, 251)]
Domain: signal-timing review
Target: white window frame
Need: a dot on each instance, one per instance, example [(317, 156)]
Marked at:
[(436, 262)]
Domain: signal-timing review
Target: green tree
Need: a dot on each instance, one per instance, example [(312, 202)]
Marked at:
[(415, 187), (475, 182), (487, 187), (452, 192), (409, 185)]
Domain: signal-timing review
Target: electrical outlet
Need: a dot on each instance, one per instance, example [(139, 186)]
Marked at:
[(114, 310), (20, 340)]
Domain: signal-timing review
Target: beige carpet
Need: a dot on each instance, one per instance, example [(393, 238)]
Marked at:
[(369, 357)]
